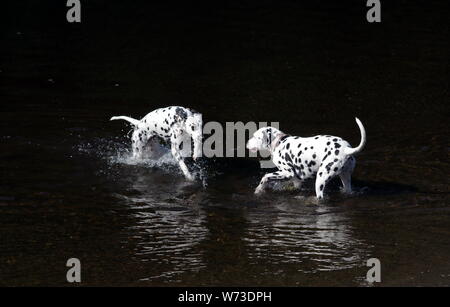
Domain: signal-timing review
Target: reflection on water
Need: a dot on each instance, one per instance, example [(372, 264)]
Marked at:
[(164, 230), (167, 225), (171, 225), (320, 238)]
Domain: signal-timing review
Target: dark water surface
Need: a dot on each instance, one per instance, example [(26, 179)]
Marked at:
[(67, 188)]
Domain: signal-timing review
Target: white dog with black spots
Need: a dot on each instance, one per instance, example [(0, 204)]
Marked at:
[(177, 125), (299, 158)]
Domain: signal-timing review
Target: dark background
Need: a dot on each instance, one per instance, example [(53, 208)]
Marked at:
[(236, 60), (310, 65)]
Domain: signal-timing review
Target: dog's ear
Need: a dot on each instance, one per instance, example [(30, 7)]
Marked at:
[(269, 136), (180, 115)]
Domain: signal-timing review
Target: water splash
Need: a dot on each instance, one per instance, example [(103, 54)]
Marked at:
[(116, 151)]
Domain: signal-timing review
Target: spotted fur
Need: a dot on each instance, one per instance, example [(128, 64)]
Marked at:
[(173, 124), (299, 158)]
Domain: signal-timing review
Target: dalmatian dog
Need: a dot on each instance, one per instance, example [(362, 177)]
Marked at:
[(177, 125), (298, 158)]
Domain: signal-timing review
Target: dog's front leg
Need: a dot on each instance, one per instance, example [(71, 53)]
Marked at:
[(278, 175), (176, 144)]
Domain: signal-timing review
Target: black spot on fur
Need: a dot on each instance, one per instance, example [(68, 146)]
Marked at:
[(335, 169), (328, 167), (336, 152), (314, 156), (337, 145), (321, 187), (287, 157), (181, 113), (284, 137)]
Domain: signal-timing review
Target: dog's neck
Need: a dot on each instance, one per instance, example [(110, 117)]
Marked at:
[(276, 141)]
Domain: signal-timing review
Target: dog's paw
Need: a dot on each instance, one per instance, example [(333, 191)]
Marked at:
[(346, 192), (259, 190), (190, 177)]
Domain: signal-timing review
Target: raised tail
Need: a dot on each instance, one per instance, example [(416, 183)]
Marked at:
[(132, 121), (353, 151)]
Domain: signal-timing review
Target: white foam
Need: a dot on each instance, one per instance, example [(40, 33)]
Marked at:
[(117, 152)]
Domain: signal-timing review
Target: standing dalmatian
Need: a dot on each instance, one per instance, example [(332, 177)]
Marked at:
[(300, 158), (174, 124)]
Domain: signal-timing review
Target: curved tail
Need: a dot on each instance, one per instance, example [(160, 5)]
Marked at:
[(352, 151), (128, 119)]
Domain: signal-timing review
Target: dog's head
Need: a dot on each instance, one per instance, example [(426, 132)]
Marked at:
[(194, 126), (264, 139)]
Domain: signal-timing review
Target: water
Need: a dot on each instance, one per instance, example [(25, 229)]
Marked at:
[(69, 189)]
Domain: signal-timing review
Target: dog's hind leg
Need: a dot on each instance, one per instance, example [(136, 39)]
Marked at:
[(324, 175), (321, 182), (346, 179), (346, 175)]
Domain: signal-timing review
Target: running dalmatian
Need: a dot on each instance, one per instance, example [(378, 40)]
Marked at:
[(174, 124), (300, 158)]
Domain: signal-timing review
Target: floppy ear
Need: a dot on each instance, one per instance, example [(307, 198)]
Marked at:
[(180, 115), (269, 136)]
